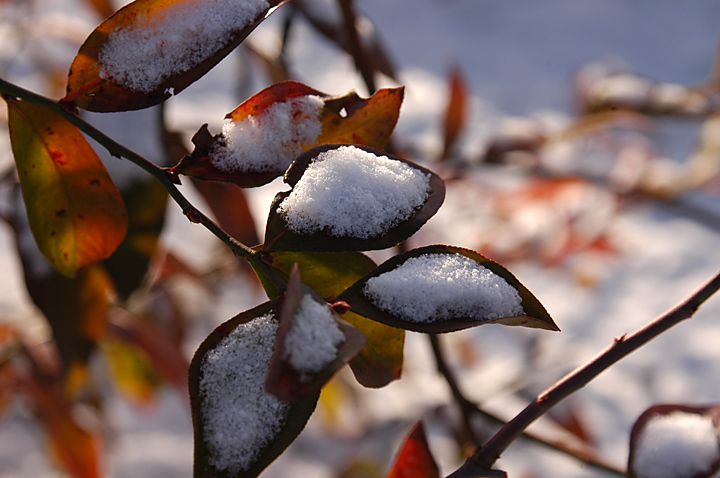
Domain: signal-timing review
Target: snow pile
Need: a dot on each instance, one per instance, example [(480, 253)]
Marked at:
[(241, 418), (269, 142), (313, 340), (351, 192), (142, 55), (443, 286), (676, 445)]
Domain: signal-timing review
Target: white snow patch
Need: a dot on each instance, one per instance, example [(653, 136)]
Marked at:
[(676, 445), (434, 287), (241, 417), (313, 339), (141, 56), (351, 192), (269, 142)]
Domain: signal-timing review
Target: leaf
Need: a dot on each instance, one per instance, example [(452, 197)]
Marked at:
[(75, 211), (456, 111), (328, 274), (230, 207), (275, 125), (432, 293), (371, 202), (240, 428), (415, 459), (151, 49), (677, 440), (131, 371), (312, 344), (104, 8)]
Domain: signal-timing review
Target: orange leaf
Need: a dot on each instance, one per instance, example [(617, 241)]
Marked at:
[(415, 459), (151, 49), (456, 111), (274, 126), (75, 211)]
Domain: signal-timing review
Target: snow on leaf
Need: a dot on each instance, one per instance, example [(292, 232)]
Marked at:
[(239, 427), (312, 344), (151, 49), (75, 211), (348, 197), (328, 274), (271, 128), (415, 459), (438, 289), (675, 441)]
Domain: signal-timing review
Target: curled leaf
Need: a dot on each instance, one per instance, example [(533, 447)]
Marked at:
[(312, 344), (151, 49), (239, 427), (76, 213), (272, 127), (351, 198), (439, 289)]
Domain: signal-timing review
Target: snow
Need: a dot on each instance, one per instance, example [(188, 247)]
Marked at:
[(269, 142), (351, 192), (676, 445), (240, 416), (434, 287), (185, 33), (312, 341)]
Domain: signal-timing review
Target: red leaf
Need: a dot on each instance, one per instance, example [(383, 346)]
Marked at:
[(414, 459), (456, 111)]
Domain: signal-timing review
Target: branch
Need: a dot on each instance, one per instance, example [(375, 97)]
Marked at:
[(485, 456), (468, 408), (168, 181)]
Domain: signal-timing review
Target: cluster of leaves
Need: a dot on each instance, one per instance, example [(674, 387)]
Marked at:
[(100, 241)]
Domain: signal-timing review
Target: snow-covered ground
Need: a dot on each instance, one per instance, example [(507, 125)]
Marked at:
[(519, 58)]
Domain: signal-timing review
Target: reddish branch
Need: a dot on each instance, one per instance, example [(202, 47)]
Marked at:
[(486, 456)]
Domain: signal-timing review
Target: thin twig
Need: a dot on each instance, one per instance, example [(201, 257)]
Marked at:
[(168, 181), (355, 45), (486, 455), (469, 408)]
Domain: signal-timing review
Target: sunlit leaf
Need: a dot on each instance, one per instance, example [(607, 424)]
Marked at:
[(272, 127), (675, 440), (439, 289), (328, 274), (151, 49), (239, 427), (131, 370), (312, 344), (75, 211), (415, 459), (351, 198)]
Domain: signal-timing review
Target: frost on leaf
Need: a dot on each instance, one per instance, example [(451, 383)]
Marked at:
[(142, 55), (671, 441), (239, 427), (442, 286), (347, 197), (442, 289), (269, 141)]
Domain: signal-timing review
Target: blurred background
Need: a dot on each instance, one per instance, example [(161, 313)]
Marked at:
[(580, 144)]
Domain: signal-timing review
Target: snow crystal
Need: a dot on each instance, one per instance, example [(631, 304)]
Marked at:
[(313, 340), (142, 55), (351, 192), (269, 142), (443, 286), (240, 416), (676, 445)]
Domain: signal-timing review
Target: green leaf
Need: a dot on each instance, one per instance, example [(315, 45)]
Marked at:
[(240, 428), (355, 200), (276, 125), (448, 294), (75, 211), (312, 344), (329, 273), (151, 49)]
